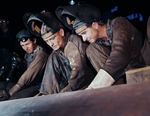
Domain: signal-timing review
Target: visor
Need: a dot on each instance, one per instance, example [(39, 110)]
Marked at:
[(35, 22)]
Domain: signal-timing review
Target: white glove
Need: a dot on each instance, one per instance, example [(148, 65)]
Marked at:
[(102, 79)]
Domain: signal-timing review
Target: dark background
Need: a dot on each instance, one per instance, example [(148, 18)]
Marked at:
[(137, 11)]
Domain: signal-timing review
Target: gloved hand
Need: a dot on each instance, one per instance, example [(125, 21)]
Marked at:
[(63, 90), (4, 95), (102, 79), (39, 94), (66, 89)]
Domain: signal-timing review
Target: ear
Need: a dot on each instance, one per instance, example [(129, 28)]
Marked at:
[(61, 32), (95, 25), (34, 41)]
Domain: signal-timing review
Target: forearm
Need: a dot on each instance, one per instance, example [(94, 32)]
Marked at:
[(14, 89), (67, 88)]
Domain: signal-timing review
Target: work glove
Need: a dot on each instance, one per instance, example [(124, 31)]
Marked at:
[(102, 79)]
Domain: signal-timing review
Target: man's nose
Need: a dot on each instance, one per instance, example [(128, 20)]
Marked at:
[(25, 48)]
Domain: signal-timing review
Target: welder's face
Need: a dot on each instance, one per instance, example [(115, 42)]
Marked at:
[(88, 34), (56, 40), (28, 46)]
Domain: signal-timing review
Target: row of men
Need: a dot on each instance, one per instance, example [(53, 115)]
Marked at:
[(114, 47)]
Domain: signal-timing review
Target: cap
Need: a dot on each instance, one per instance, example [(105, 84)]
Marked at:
[(23, 35), (78, 16), (34, 22)]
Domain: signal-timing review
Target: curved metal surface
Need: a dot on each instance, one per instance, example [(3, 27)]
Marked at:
[(119, 100)]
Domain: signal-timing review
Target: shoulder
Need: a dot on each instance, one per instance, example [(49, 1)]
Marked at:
[(120, 21), (77, 41), (42, 53), (74, 38)]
